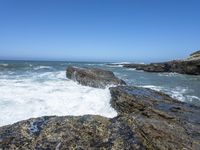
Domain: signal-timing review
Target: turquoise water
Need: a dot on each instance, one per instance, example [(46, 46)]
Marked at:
[(36, 88)]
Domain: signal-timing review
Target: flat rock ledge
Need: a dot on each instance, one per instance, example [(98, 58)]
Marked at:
[(93, 77), (147, 120), (160, 121)]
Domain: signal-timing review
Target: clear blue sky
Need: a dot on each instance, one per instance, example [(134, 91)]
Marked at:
[(101, 30)]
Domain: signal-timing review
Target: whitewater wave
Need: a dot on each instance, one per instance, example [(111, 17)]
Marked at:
[(23, 98), (131, 69), (176, 93), (4, 65), (179, 93), (42, 67), (120, 63), (153, 87), (171, 74)]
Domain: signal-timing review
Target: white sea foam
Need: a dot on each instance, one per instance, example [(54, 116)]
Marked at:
[(178, 93), (153, 87), (171, 74), (42, 67), (191, 98), (4, 65), (115, 65), (131, 69), (120, 63), (23, 98)]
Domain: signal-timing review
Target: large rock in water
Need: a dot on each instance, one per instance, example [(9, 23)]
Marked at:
[(161, 122), (93, 77), (190, 65)]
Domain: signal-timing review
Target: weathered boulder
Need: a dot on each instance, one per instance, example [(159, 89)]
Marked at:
[(61, 133), (160, 121), (93, 77)]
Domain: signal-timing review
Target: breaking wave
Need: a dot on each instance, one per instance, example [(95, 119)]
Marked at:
[(50, 93)]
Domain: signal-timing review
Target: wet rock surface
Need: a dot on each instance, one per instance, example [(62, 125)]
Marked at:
[(93, 77), (160, 121), (61, 133)]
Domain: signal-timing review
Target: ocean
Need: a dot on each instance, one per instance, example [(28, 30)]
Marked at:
[(39, 88)]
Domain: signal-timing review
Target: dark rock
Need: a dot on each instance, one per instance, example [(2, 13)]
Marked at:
[(153, 67), (93, 77), (195, 55), (61, 133), (160, 121), (188, 66)]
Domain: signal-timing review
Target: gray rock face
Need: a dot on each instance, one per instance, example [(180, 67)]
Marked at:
[(189, 66), (93, 77), (61, 133), (160, 121)]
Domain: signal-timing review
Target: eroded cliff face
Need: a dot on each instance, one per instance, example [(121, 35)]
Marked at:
[(146, 119)]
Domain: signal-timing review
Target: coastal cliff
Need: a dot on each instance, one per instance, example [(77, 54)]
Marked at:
[(146, 119)]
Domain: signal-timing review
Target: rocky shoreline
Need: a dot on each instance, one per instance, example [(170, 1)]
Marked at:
[(190, 66), (146, 119)]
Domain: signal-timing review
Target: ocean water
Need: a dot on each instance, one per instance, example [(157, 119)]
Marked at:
[(33, 89)]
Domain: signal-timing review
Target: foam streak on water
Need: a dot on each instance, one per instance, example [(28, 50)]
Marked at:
[(50, 93)]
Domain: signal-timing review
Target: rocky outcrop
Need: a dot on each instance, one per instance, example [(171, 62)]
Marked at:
[(93, 77), (158, 120), (184, 67), (146, 120), (195, 55), (156, 67), (191, 65), (61, 133)]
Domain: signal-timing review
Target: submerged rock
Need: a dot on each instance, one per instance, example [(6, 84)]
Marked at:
[(93, 77), (190, 65), (160, 121)]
